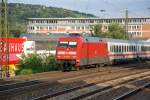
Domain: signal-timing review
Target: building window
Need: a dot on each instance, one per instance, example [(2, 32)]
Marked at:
[(87, 27), (91, 21), (72, 28), (78, 27), (50, 27), (38, 27)]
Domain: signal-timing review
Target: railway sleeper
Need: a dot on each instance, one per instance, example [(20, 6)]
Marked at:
[(85, 92)]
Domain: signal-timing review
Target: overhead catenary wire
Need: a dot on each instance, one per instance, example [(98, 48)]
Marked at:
[(119, 8)]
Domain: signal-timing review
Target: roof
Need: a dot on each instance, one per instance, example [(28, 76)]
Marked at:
[(69, 18), (92, 39), (43, 37), (125, 41)]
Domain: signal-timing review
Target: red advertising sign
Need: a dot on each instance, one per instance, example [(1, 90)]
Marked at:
[(15, 46)]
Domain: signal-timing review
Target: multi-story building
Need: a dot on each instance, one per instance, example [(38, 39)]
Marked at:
[(137, 27)]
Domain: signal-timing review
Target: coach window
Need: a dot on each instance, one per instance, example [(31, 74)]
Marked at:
[(122, 47), (125, 48), (110, 48), (142, 48), (129, 48), (147, 48), (133, 48), (114, 48), (139, 48), (119, 49)]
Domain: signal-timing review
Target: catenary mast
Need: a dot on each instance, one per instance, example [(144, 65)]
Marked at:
[(4, 45)]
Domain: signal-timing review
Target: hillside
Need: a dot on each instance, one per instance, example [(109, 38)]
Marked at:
[(19, 12)]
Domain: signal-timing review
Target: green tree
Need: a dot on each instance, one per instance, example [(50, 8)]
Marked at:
[(116, 31), (98, 30)]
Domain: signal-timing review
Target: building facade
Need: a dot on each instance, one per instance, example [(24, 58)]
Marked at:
[(137, 27)]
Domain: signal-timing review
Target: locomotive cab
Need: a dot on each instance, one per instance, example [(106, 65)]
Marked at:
[(66, 52)]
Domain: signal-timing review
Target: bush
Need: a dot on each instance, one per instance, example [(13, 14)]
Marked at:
[(25, 71), (34, 63)]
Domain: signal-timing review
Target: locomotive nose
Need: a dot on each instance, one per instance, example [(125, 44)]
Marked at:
[(66, 54)]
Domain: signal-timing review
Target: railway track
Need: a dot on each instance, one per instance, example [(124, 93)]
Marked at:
[(58, 74), (27, 85), (91, 89), (135, 90), (143, 93), (122, 91), (52, 75), (70, 83)]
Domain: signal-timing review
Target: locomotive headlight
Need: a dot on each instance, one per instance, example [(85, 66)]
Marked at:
[(73, 56), (58, 56), (72, 53), (60, 52)]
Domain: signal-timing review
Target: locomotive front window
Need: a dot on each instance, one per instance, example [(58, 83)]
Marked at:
[(72, 44), (63, 44), (67, 44)]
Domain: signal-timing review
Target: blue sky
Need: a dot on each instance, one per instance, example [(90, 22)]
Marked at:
[(113, 8)]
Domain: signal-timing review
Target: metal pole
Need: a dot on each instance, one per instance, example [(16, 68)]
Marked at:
[(102, 12), (126, 24), (4, 34)]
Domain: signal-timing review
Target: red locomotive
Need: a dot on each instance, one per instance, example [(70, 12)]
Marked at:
[(78, 51)]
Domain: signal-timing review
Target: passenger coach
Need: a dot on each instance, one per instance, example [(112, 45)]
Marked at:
[(126, 50)]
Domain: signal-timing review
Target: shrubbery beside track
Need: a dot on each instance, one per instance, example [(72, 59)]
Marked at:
[(34, 63)]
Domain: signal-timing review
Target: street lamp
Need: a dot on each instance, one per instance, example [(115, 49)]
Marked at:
[(102, 11)]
